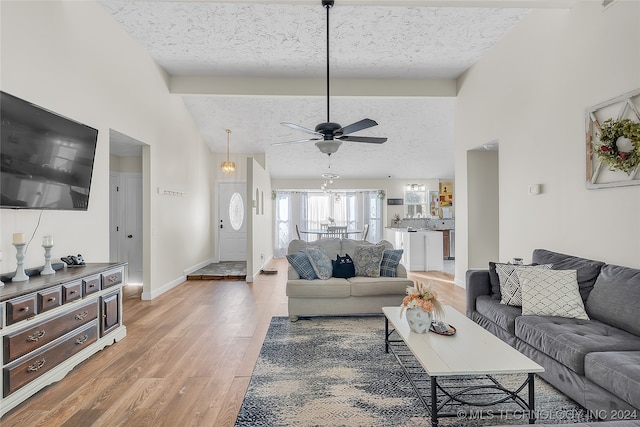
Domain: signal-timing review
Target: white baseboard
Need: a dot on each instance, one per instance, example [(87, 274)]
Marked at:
[(148, 296)]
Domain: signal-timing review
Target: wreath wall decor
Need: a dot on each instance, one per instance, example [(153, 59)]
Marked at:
[(614, 133), (613, 142)]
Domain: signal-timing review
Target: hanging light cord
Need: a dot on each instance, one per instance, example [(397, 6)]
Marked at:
[(228, 133), (328, 6)]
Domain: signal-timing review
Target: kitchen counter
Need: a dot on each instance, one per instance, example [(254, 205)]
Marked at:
[(423, 249)]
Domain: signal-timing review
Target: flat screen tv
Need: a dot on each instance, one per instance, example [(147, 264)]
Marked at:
[(46, 160)]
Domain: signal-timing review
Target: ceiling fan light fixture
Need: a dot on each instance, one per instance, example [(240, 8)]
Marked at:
[(227, 166), (328, 146)]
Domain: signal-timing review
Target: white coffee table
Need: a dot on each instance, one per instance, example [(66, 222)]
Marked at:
[(472, 351)]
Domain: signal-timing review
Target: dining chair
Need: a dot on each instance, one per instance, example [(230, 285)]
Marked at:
[(365, 232), (298, 232), (335, 231)]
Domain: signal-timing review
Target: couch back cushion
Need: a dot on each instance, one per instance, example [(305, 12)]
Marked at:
[(614, 298), (586, 269)]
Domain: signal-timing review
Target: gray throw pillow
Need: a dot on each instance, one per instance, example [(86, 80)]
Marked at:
[(301, 264), (320, 262), (367, 260)]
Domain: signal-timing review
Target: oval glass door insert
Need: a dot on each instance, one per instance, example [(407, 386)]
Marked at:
[(236, 211)]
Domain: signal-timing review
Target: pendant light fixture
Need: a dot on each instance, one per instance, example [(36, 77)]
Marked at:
[(228, 166)]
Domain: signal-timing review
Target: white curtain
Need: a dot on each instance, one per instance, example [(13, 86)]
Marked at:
[(311, 209)]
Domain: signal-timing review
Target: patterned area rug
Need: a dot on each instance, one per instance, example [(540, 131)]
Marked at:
[(334, 371)]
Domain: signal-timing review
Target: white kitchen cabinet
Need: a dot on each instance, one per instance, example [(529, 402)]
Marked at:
[(422, 249)]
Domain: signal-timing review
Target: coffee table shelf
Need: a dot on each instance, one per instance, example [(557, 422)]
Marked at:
[(472, 354)]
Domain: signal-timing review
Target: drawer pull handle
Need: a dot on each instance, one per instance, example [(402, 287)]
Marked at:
[(93, 285), (24, 309), (73, 292), (36, 366), (82, 339), (51, 299), (113, 278), (82, 315), (36, 336)]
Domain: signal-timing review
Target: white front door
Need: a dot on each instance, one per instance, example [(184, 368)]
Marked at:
[(232, 221)]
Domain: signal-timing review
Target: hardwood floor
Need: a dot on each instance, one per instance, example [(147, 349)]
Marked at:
[(186, 361)]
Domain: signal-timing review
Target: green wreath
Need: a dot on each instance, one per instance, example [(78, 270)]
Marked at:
[(608, 151)]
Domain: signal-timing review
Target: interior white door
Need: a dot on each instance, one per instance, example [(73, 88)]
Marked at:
[(132, 182), (232, 225)]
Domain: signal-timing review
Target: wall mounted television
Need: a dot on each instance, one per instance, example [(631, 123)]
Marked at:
[(46, 160)]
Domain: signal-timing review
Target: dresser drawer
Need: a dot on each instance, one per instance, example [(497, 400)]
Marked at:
[(49, 298), (21, 308), (20, 343), (90, 285), (71, 291), (20, 374), (112, 278)]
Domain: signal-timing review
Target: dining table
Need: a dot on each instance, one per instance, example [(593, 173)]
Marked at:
[(323, 233)]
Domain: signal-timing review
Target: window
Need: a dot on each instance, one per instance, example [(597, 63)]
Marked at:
[(312, 210)]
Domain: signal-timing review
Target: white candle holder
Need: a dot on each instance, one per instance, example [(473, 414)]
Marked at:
[(20, 274), (47, 270)]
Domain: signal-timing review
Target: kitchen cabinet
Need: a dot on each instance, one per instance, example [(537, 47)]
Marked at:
[(422, 249)]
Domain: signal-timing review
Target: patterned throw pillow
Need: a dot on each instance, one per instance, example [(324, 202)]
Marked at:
[(390, 261), (367, 260), (551, 293), (320, 262), (510, 284), (301, 264)]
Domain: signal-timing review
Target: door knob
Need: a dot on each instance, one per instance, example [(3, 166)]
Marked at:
[(130, 236)]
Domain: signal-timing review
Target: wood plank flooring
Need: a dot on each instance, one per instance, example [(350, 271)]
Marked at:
[(186, 361)]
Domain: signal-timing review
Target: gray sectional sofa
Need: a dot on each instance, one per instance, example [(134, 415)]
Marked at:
[(342, 296), (596, 362)]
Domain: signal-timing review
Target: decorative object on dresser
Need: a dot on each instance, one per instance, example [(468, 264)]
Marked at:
[(51, 323)]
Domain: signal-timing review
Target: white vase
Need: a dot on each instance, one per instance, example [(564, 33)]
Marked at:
[(419, 320)]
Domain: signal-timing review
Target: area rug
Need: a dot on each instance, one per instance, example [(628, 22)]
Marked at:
[(333, 371)]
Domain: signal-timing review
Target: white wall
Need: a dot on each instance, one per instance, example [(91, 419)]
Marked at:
[(530, 93), (260, 226), (72, 58)]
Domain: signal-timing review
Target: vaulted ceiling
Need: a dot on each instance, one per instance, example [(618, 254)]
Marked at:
[(248, 66)]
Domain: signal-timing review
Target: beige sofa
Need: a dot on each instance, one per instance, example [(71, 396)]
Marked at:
[(337, 296)]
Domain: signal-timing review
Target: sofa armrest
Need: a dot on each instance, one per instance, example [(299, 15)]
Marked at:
[(401, 271), (478, 283), (292, 274)]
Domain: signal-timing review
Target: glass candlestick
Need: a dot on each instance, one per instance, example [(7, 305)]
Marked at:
[(20, 274), (47, 270)]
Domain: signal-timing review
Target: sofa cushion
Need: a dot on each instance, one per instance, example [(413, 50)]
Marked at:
[(614, 298), (510, 284), (587, 269), (617, 372), (390, 261), (301, 264), (320, 262), (551, 293), (568, 340), (331, 288), (369, 286), (500, 314), (367, 259)]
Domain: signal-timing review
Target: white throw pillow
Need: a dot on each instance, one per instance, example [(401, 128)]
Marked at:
[(551, 293), (510, 284)]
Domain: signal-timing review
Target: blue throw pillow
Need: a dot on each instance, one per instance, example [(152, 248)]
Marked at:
[(390, 261), (301, 264)]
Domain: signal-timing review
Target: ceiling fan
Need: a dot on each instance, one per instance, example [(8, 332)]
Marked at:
[(329, 135)]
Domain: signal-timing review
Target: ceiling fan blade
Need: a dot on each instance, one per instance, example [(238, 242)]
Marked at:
[(369, 139), (355, 127), (298, 127), (296, 142)]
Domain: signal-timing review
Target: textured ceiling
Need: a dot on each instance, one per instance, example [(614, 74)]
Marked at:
[(244, 39)]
